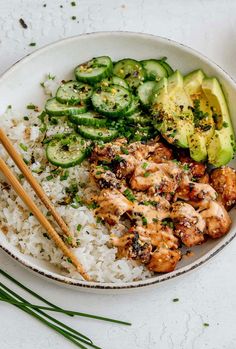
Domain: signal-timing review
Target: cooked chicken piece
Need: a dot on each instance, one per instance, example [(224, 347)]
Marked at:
[(148, 210), (164, 260), (217, 219), (161, 237), (107, 152), (189, 224), (223, 180), (161, 153), (133, 246), (125, 166), (196, 169), (112, 205), (197, 194), (104, 178), (204, 179), (161, 178)]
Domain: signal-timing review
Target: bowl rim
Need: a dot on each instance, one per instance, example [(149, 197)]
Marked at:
[(81, 284)]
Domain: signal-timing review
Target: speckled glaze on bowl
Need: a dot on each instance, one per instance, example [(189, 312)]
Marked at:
[(20, 85)]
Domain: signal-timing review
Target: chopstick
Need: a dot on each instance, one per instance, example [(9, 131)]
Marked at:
[(34, 184), (32, 206)]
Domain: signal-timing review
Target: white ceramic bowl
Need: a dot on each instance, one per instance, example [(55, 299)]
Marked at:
[(20, 85)]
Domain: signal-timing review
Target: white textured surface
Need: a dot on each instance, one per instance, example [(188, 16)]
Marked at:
[(206, 295)]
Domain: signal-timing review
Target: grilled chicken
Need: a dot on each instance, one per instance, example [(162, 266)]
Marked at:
[(160, 236), (196, 169), (223, 180), (197, 194), (148, 210), (164, 260), (107, 152), (104, 178), (161, 178), (141, 187), (217, 220), (132, 245), (189, 224), (112, 204)]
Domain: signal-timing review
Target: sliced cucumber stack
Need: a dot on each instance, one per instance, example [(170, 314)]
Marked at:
[(114, 80), (94, 70), (167, 67), (55, 108), (101, 134), (112, 100), (131, 71), (145, 92), (66, 150), (88, 119), (139, 119), (154, 69), (74, 92), (133, 107)]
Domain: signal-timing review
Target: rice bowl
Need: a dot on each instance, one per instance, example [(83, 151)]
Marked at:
[(27, 235)]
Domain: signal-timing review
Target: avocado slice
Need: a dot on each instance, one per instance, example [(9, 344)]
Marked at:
[(193, 83), (197, 147), (204, 125), (170, 109), (222, 144)]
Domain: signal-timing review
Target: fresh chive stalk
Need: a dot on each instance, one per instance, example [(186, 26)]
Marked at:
[(38, 312)]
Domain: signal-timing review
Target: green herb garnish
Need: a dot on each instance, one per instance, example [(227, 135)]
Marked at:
[(64, 176), (79, 226), (129, 195), (144, 220), (23, 146), (31, 106)]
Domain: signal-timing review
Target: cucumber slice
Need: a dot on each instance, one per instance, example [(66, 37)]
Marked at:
[(167, 67), (101, 134), (138, 119), (114, 80), (145, 92), (131, 71), (88, 119), (53, 107), (94, 70), (74, 92), (133, 107), (112, 100), (66, 150), (154, 69)]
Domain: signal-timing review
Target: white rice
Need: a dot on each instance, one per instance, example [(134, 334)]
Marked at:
[(24, 231)]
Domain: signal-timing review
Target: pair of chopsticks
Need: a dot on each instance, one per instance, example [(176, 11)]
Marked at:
[(32, 206)]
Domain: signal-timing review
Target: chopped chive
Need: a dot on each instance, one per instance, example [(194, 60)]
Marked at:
[(73, 18), (206, 324), (79, 226), (129, 195), (31, 106), (23, 146), (175, 300), (49, 178), (144, 165), (144, 220), (32, 44), (146, 174), (64, 176)]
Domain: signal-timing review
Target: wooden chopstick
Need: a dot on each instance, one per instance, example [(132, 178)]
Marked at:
[(34, 184), (40, 217)]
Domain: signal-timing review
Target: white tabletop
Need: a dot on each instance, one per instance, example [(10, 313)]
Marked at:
[(207, 295)]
